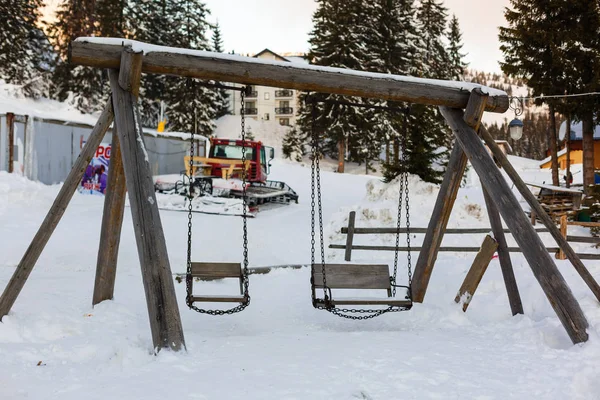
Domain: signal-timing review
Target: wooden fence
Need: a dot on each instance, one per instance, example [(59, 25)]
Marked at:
[(352, 230)]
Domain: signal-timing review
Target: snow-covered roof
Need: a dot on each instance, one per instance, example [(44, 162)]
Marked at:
[(576, 131), (547, 159)]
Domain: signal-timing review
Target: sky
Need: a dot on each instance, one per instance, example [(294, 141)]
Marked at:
[(283, 26)]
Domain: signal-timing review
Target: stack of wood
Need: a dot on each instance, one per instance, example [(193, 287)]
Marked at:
[(557, 201)]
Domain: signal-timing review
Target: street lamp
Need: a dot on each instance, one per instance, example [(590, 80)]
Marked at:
[(516, 129)]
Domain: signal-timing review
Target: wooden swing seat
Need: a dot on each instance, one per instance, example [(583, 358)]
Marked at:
[(356, 276), (212, 271)]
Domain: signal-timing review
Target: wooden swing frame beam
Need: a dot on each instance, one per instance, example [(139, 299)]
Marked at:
[(126, 60)]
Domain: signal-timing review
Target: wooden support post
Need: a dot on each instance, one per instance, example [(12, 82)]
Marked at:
[(533, 218), (350, 235), (165, 321), (10, 130), (516, 306), (112, 221), (563, 230), (541, 214), (444, 203), (556, 289), (12, 290), (478, 268), (114, 201)]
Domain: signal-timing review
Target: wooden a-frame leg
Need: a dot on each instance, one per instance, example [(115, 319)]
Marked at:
[(541, 214), (544, 269), (503, 255), (16, 283), (476, 272), (112, 221), (444, 203), (163, 311)]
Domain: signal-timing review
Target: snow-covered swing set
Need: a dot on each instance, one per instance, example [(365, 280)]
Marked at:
[(462, 105)]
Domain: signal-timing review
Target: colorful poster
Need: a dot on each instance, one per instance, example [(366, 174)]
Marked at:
[(96, 174)]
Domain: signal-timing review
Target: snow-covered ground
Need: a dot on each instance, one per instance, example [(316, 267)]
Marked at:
[(54, 345)]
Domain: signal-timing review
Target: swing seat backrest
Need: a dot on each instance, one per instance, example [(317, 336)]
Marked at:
[(355, 276), (212, 271)]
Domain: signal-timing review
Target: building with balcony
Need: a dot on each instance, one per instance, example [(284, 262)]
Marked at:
[(267, 103)]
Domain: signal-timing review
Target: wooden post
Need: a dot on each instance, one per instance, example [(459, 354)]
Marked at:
[(444, 203), (341, 154), (541, 214), (165, 321), (114, 201), (556, 289), (350, 235), (10, 129), (533, 218), (16, 283), (112, 221), (478, 268), (516, 306), (563, 230)]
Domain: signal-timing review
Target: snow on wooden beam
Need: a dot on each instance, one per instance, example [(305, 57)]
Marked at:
[(106, 53)]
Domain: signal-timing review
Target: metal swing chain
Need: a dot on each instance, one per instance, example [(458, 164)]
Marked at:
[(316, 177), (407, 205), (246, 281), (326, 305)]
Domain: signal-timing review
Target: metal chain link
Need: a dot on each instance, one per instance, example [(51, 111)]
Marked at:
[(325, 304), (245, 274), (407, 205)]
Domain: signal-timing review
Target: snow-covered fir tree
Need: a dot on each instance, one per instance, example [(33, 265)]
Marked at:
[(432, 19), (83, 85), (294, 144), (457, 65), (191, 106), (222, 98), (25, 53)]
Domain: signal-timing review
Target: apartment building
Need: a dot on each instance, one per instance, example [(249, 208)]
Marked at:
[(267, 103)]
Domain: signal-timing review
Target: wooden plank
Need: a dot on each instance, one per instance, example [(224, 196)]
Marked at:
[(112, 221), (584, 256), (163, 311), (443, 205), (12, 290), (250, 71), (583, 239), (478, 268), (216, 270), (585, 224), (350, 237), (512, 290), (563, 230), (389, 301), (442, 249), (544, 269), (475, 108), (130, 71), (541, 214), (449, 231), (10, 129), (353, 276), (219, 299)]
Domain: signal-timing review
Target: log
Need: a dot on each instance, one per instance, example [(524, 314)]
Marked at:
[(163, 312), (541, 214), (106, 53), (114, 201), (112, 221), (478, 268), (512, 290), (443, 205), (350, 237), (16, 283), (544, 269)]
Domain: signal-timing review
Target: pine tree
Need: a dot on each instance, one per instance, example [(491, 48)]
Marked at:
[(432, 16), (457, 65), (151, 22), (75, 18), (293, 145), (110, 15), (222, 98), (191, 105), (25, 53)]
